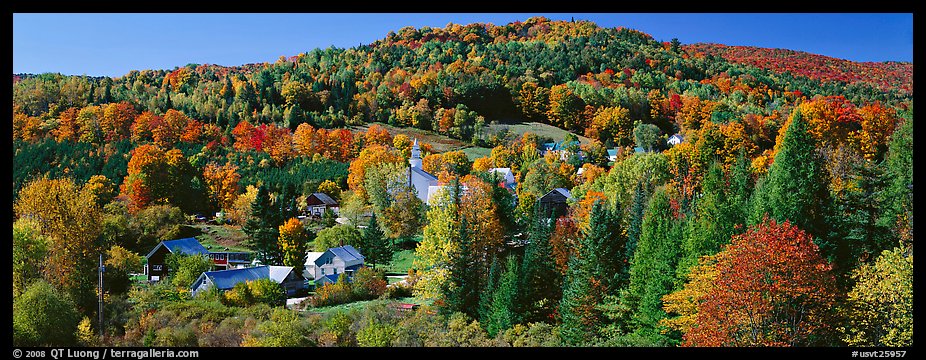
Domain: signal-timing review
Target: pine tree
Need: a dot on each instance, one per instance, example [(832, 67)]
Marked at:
[(504, 315), (263, 228), (577, 312), (378, 248), (635, 223), (897, 198), (593, 273), (486, 296), (465, 286), (604, 234), (541, 283), (717, 216), (795, 188), (653, 268), (860, 235)]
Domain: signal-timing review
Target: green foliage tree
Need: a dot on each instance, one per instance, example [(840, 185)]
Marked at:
[(377, 247), (504, 312), (646, 136), (541, 284), (44, 317), (262, 228), (120, 262), (336, 236), (593, 274), (267, 291), (30, 248), (719, 214), (898, 173), (185, 269)]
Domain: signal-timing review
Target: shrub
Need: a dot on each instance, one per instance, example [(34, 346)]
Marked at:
[(268, 292), (175, 337), (239, 296), (44, 317), (368, 284)]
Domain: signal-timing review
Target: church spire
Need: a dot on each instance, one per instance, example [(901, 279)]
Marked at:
[(415, 160)]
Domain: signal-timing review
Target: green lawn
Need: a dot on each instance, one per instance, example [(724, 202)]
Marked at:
[(346, 307), (363, 304), (401, 262), (475, 152)]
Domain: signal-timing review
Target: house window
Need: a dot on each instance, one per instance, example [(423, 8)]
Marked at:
[(156, 267)]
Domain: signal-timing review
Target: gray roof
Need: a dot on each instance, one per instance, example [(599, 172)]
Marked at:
[(324, 198), (348, 254), (185, 246), (327, 279), (227, 279), (423, 174), (565, 192)]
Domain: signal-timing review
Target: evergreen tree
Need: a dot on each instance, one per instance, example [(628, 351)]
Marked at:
[(541, 284), (653, 268), (263, 228), (593, 273), (578, 316), (504, 315), (860, 235), (487, 294), (377, 247), (465, 284), (635, 221), (897, 198), (795, 188), (717, 215)]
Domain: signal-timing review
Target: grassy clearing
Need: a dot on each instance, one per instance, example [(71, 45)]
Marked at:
[(475, 152), (215, 237), (357, 305), (539, 129), (401, 262)]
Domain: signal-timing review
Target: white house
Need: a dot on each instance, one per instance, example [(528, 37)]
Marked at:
[(328, 266), (675, 139), (318, 203), (310, 268), (506, 175)]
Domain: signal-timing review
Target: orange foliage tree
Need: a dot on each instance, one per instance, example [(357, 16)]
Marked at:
[(772, 288), (117, 121), (370, 156), (564, 242), (222, 182)]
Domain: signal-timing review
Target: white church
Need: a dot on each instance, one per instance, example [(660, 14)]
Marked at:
[(425, 184)]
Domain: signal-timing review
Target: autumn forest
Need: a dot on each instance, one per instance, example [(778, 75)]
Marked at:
[(718, 195)]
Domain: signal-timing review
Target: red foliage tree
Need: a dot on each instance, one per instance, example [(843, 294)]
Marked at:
[(772, 288)]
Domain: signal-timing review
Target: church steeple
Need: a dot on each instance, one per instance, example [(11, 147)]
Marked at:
[(415, 160)]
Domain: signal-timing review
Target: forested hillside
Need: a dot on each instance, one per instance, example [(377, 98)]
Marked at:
[(789, 193)]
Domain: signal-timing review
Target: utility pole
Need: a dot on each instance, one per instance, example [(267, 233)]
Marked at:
[(101, 270)]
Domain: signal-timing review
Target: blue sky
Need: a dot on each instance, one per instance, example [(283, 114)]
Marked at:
[(114, 44)]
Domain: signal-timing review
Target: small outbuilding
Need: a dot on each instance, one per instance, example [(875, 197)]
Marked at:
[(156, 266), (318, 203), (554, 203)]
